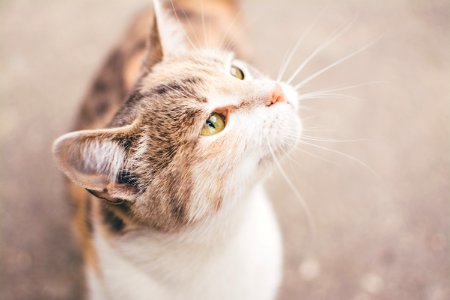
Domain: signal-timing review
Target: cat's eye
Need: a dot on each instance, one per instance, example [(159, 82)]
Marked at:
[(237, 72), (214, 124)]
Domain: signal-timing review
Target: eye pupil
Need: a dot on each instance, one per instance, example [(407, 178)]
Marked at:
[(214, 124)]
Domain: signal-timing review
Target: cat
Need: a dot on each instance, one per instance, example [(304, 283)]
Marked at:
[(167, 158)]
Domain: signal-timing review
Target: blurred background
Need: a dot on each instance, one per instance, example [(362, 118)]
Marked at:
[(374, 169)]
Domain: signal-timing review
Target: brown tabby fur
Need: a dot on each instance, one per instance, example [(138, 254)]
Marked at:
[(113, 100)]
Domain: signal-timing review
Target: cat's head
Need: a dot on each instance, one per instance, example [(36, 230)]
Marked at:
[(195, 135)]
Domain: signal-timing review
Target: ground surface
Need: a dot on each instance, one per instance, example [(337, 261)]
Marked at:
[(383, 236)]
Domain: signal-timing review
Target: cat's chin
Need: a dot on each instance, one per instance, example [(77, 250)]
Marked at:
[(286, 137), (277, 150)]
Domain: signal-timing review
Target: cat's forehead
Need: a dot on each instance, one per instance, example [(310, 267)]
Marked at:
[(200, 62), (199, 75), (208, 57)]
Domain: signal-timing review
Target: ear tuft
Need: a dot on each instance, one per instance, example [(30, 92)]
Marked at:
[(105, 157), (90, 158)]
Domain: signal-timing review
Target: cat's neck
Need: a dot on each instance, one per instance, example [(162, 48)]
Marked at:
[(212, 231), (208, 257)]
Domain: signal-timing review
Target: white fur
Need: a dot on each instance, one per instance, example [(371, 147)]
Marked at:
[(105, 157), (237, 255), (96, 156)]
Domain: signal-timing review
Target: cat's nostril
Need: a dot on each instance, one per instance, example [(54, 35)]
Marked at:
[(277, 96)]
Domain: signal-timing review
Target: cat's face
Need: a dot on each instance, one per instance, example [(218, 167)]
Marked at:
[(197, 132), (212, 123)]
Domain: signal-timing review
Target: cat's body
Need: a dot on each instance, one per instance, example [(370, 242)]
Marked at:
[(237, 257), (182, 216)]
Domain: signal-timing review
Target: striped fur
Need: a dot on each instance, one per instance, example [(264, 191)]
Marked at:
[(152, 180)]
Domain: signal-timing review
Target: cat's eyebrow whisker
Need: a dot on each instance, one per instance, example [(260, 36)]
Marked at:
[(179, 22), (338, 62), (310, 219), (344, 155), (202, 12), (287, 60), (224, 35), (197, 38), (227, 45), (336, 34)]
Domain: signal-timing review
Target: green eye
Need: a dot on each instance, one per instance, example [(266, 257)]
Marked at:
[(236, 72), (214, 124)]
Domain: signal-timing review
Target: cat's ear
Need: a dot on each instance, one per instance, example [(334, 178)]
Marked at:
[(97, 161), (167, 36)]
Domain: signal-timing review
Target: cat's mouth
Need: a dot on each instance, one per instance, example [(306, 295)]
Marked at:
[(283, 131)]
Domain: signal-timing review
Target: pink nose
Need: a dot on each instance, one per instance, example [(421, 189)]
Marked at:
[(277, 96)]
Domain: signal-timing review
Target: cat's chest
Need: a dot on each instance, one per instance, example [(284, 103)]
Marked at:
[(249, 261)]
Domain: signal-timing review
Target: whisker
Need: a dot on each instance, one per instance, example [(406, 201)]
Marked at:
[(191, 26), (316, 129), (304, 119), (202, 11), (304, 108), (297, 44), (179, 21), (309, 217), (337, 34), (224, 35), (320, 72), (344, 155), (313, 155), (319, 95), (343, 88), (318, 139)]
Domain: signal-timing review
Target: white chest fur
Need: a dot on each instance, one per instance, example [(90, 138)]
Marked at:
[(237, 257)]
